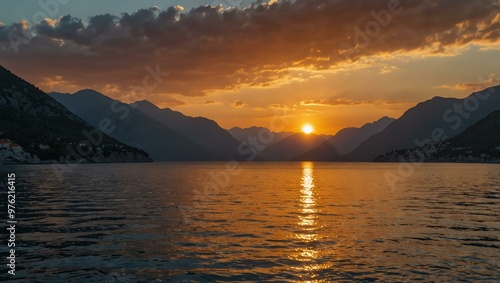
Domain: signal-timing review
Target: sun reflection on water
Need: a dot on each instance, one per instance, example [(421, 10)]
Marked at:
[(308, 224), (308, 211)]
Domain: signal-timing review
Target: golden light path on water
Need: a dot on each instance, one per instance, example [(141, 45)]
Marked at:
[(308, 228)]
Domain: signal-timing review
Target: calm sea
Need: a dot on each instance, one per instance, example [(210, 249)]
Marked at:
[(273, 222)]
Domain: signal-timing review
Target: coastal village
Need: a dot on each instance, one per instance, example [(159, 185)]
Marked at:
[(11, 152)]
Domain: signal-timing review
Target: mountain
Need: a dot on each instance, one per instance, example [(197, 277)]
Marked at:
[(325, 151), (433, 120), (82, 100), (478, 143), (243, 134), (343, 142), (34, 123), (483, 136), (134, 127), (202, 131), (292, 147), (346, 140)]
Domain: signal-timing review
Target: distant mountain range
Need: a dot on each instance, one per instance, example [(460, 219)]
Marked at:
[(200, 130), (32, 122), (196, 138), (292, 147), (324, 151), (171, 135), (243, 134), (45, 125), (133, 127), (348, 139), (166, 134), (286, 146)]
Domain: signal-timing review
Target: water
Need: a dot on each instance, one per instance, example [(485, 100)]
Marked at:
[(274, 222)]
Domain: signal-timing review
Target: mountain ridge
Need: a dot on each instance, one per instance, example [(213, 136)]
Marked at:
[(478, 143), (201, 130), (243, 134), (348, 139), (292, 147), (436, 118), (46, 129), (132, 126)]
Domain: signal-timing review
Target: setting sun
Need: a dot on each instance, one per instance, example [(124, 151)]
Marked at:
[(307, 129)]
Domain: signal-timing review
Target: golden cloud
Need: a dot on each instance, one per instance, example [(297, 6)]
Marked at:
[(347, 102), (481, 84), (256, 46)]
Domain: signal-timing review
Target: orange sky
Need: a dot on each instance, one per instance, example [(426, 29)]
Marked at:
[(332, 64)]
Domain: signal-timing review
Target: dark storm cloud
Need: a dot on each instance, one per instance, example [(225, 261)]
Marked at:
[(66, 28), (15, 30), (209, 49)]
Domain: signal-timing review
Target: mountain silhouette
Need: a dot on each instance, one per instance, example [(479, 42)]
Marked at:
[(292, 147), (134, 127), (45, 128), (243, 134), (435, 119), (478, 143), (325, 151), (482, 137), (203, 131), (346, 140)]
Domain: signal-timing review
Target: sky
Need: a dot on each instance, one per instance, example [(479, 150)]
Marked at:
[(329, 63)]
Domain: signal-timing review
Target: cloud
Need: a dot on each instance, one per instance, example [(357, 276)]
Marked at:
[(255, 46), (238, 104), (330, 102), (163, 100), (17, 32), (276, 106), (480, 85), (169, 102), (209, 102), (347, 102), (57, 83), (388, 69)]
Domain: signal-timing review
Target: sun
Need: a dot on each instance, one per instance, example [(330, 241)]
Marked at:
[(307, 129)]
